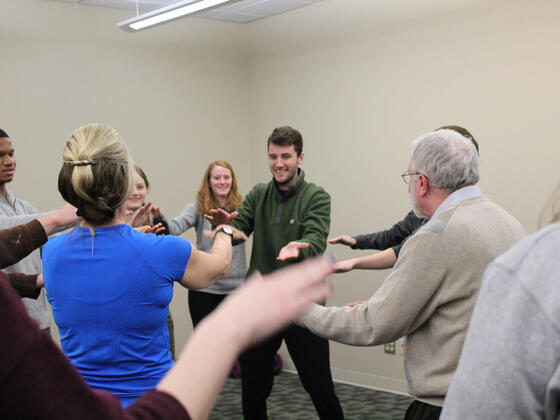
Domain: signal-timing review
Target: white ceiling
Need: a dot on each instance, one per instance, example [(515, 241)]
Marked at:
[(240, 11)]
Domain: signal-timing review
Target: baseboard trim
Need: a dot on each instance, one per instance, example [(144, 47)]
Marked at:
[(379, 383)]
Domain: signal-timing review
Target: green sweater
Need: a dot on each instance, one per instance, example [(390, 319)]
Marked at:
[(302, 214)]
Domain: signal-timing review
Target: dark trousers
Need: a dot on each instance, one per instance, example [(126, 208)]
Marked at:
[(310, 355), (422, 411), (201, 304)]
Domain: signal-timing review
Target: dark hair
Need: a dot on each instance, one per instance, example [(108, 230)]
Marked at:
[(286, 136), (142, 174), (463, 131), (3, 134)]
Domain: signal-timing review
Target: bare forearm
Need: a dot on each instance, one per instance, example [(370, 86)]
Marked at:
[(49, 222), (222, 248), (377, 261), (203, 365)]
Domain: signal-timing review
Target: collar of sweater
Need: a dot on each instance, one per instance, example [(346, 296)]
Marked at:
[(293, 189)]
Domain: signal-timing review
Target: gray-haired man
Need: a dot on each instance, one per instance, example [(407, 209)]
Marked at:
[(430, 294)]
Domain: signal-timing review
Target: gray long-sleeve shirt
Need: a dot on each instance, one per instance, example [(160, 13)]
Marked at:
[(510, 364), (15, 212), (189, 217)]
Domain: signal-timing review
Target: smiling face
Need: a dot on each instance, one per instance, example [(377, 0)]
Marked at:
[(220, 182), (7, 161), (138, 196), (283, 162)]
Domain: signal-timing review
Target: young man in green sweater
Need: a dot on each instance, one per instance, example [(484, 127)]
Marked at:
[(289, 219)]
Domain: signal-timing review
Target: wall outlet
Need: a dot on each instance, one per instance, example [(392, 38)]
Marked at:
[(389, 348)]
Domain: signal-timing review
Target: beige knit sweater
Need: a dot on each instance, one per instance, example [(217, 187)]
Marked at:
[(429, 296)]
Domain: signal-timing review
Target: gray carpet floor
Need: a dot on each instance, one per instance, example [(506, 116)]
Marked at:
[(289, 401)]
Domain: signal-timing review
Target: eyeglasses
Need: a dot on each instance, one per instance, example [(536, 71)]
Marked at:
[(406, 175)]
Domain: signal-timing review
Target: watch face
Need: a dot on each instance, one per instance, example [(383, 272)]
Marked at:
[(227, 229)]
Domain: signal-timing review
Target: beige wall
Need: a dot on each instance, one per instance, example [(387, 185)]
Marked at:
[(178, 105), (360, 83), (360, 97)]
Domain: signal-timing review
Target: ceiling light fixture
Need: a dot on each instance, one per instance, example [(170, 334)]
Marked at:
[(167, 13)]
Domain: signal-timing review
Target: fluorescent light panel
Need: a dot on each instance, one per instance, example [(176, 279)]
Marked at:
[(173, 11)]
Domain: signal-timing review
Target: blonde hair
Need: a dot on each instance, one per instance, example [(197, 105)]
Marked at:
[(97, 172), (206, 200)]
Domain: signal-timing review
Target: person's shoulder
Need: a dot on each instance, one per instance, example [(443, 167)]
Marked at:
[(541, 248), (56, 241), (260, 188), (314, 189), (151, 240), (25, 204), (193, 206)]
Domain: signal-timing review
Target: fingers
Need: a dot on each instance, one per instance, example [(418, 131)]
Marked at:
[(157, 228), (352, 304), (239, 235), (309, 272), (336, 240)]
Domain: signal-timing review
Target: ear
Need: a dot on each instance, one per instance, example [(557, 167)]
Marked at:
[(424, 185), (300, 158)]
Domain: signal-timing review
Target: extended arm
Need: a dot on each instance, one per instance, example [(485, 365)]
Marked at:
[(244, 220), (378, 261), (259, 308), (399, 306), (204, 268), (52, 221), (184, 221), (315, 228), (392, 237), (17, 242), (33, 366)]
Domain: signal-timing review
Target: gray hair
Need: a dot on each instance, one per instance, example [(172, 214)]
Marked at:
[(448, 159)]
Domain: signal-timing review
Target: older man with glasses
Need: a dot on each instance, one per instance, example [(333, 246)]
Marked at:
[(429, 296), (389, 241)]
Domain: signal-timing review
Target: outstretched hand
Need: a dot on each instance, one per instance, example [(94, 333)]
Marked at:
[(291, 250), (157, 228), (343, 266), (344, 240), (140, 216), (156, 212), (264, 305), (220, 217)]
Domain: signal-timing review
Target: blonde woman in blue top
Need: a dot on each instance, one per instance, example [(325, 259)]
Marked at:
[(109, 285)]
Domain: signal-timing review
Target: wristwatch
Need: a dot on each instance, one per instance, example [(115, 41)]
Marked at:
[(227, 230)]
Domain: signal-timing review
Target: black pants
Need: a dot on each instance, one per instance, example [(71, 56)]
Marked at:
[(201, 304), (310, 355), (422, 411)]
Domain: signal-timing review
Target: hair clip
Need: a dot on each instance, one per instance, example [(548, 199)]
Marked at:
[(80, 162)]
